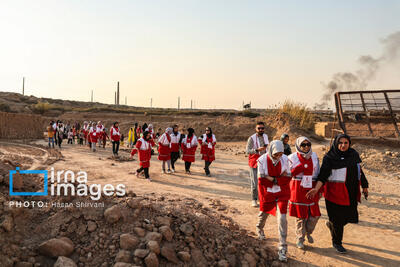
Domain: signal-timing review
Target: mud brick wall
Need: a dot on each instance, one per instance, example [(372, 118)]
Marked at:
[(22, 126)]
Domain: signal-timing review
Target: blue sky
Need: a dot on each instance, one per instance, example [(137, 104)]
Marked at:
[(218, 53)]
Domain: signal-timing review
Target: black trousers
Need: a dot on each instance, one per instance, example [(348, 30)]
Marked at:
[(174, 158), (146, 171), (336, 230), (115, 147), (187, 165), (207, 166)]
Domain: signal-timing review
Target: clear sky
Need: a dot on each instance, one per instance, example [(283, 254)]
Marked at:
[(218, 53)]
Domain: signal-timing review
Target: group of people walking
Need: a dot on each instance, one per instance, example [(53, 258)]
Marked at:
[(170, 145), (283, 181)]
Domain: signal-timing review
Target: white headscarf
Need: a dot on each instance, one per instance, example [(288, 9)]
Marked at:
[(274, 147), (300, 140), (169, 130)]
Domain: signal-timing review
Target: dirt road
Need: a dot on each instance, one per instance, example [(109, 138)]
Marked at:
[(375, 241)]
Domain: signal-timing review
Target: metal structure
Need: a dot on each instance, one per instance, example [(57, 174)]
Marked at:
[(369, 113)]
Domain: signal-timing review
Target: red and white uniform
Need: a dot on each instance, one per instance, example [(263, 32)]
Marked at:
[(94, 136), (99, 128), (269, 194), (256, 144), (144, 148), (335, 187), (189, 146), (304, 177), (175, 142), (202, 149), (115, 134), (85, 130), (164, 151), (208, 144)]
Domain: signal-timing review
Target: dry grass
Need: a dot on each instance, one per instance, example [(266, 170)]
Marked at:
[(299, 113)]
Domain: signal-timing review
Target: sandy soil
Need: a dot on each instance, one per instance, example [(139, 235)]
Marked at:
[(375, 241)]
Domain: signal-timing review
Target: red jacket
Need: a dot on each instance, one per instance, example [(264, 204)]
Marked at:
[(301, 168), (144, 148), (335, 187), (164, 151), (94, 136), (268, 198), (253, 158), (115, 134), (175, 142), (209, 149), (189, 151)]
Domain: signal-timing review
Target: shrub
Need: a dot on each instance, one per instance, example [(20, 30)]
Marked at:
[(41, 107), (299, 113)]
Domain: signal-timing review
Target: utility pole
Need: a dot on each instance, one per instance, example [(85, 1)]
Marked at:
[(179, 102), (151, 102), (126, 100), (91, 99), (191, 104), (117, 93), (115, 97), (23, 86)]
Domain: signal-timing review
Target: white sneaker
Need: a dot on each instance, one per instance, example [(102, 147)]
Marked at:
[(261, 235), (300, 244), (169, 171), (173, 171), (163, 172), (254, 203), (282, 255)]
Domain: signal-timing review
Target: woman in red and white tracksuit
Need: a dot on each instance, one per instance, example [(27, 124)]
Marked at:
[(144, 146), (176, 139), (164, 150), (274, 191), (304, 166), (189, 146), (115, 136), (208, 145), (85, 130), (94, 136)]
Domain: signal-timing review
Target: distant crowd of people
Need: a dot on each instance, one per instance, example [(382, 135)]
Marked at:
[(143, 140)]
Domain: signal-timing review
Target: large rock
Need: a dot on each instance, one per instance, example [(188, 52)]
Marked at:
[(91, 226), (154, 236), (184, 256), (168, 252), (151, 260), (134, 203), (124, 256), (140, 231), (198, 257), (7, 223), (64, 262), (187, 229), (163, 220), (153, 246), (56, 247), (250, 259), (141, 253), (128, 241), (166, 232), (113, 214)]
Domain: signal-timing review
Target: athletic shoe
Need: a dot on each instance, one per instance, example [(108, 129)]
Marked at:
[(149, 179), (299, 244), (310, 239), (254, 203), (208, 175), (169, 171), (260, 233), (340, 248), (137, 174), (173, 171), (282, 255), (163, 172)]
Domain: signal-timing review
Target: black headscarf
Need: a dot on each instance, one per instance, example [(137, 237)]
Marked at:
[(145, 134), (209, 135), (144, 127), (190, 132), (340, 159)]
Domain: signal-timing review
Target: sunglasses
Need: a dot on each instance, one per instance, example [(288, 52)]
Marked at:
[(305, 144), (260, 128)]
